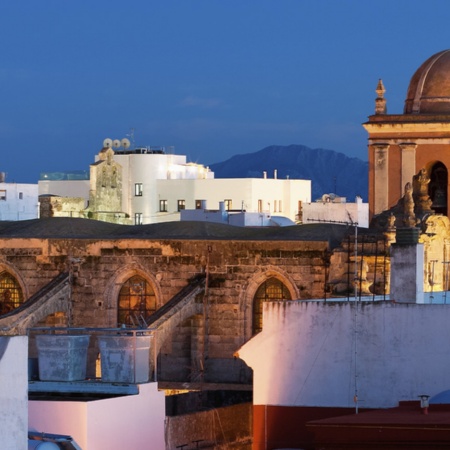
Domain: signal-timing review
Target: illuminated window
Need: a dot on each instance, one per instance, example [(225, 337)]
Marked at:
[(138, 188), (137, 301), (138, 218), (228, 204), (259, 206), (181, 204), (163, 206), (10, 293), (271, 290), (198, 204)]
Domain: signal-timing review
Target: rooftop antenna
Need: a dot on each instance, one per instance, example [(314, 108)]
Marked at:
[(355, 329), (107, 143), (125, 143), (131, 136)]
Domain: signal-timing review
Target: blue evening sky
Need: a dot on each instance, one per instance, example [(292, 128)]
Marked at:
[(213, 78)]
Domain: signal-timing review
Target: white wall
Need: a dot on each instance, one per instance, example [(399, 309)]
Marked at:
[(19, 201), (129, 422), (336, 212), (147, 169), (309, 353), (244, 192), (13, 392), (65, 188)]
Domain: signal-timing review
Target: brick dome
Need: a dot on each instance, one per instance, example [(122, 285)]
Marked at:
[(429, 88)]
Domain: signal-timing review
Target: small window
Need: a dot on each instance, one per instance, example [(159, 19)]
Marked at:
[(198, 204), (20, 195), (2, 194), (228, 204), (275, 204), (163, 206), (181, 204), (259, 206), (138, 218), (280, 206), (138, 189)]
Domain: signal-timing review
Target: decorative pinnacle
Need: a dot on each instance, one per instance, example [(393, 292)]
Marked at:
[(380, 89), (380, 101)]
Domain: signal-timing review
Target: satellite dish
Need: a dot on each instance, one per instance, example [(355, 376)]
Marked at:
[(116, 143), (107, 142), (125, 143)]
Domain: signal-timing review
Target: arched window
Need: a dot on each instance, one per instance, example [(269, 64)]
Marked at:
[(271, 290), (437, 189), (11, 295), (137, 301)]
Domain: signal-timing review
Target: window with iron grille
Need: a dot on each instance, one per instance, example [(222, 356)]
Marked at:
[(271, 290), (11, 296), (137, 301)]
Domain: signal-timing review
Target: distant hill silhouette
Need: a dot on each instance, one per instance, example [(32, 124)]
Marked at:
[(329, 171)]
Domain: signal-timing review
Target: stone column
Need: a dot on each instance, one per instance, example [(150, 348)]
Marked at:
[(408, 163), (381, 178)]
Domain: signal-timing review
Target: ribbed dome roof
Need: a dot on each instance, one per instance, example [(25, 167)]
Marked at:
[(429, 88)]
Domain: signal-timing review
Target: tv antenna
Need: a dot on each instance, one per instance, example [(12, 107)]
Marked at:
[(131, 136)]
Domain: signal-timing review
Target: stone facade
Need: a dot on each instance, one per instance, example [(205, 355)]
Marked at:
[(201, 346)]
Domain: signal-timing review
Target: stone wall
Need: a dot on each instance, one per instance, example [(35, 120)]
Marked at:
[(220, 428), (235, 270)]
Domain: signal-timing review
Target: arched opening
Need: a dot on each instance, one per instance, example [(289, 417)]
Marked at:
[(11, 296), (437, 189), (270, 290), (137, 301)]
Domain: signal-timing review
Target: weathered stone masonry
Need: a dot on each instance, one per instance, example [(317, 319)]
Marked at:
[(235, 268)]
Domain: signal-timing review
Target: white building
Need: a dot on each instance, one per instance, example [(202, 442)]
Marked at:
[(156, 186), (253, 195), (239, 218), (331, 208), (18, 201)]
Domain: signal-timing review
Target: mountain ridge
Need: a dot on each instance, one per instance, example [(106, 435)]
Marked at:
[(328, 170)]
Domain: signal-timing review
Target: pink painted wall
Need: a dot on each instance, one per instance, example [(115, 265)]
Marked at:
[(130, 422)]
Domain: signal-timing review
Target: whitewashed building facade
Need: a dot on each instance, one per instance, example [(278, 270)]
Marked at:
[(18, 201)]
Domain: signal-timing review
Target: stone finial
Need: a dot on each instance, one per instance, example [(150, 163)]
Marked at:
[(420, 188), (390, 230), (380, 101), (409, 218)]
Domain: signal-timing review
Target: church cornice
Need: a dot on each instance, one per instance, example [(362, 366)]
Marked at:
[(397, 124)]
